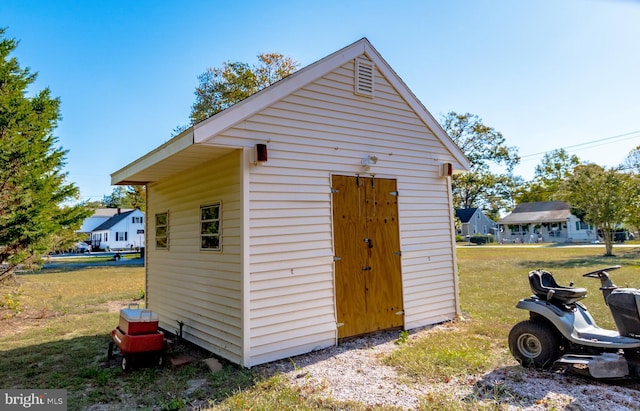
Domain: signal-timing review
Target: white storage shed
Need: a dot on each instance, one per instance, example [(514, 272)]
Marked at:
[(317, 209)]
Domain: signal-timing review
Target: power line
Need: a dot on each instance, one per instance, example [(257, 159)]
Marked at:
[(603, 141)]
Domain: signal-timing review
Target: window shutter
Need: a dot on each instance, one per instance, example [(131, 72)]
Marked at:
[(364, 80)]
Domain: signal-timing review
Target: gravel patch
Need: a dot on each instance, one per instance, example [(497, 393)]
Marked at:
[(353, 371)]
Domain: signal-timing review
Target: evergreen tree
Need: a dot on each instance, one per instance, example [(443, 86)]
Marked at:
[(34, 194)]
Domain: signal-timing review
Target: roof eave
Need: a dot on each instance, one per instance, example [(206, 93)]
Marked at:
[(226, 119), (208, 129), (124, 176)]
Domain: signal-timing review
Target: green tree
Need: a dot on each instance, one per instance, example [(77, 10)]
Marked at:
[(126, 197), (221, 87), (633, 207), (486, 150), (34, 195), (602, 196), (554, 168), (138, 197), (483, 189), (632, 161), (631, 164)]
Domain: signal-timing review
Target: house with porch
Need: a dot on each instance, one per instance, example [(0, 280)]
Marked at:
[(544, 221)]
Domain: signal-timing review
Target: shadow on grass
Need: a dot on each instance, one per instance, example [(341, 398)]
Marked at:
[(68, 364), (67, 266), (80, 366), (511, 385)]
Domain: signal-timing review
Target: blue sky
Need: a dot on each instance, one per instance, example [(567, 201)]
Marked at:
[(548, 74)]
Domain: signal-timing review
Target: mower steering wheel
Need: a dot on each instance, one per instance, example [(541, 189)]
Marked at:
[(595, 274)]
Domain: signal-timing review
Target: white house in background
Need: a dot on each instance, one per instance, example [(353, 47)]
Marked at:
[(545, 221), (100, 215), (318, 208), (123, 231)]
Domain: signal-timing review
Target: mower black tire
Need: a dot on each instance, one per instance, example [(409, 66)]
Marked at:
[(534, 344)]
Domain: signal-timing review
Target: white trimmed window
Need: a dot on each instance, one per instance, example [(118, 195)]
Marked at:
[(210, 227), (162, 231)]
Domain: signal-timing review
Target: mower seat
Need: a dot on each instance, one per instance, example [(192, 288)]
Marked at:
[(544, 286)]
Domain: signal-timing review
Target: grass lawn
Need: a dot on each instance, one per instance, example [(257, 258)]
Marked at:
[(54, 332)]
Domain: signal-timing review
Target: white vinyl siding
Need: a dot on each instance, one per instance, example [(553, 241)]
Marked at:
[(199, 288), (319, 130)]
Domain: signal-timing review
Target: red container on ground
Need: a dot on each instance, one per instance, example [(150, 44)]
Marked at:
[(138, 343), (135, 321)]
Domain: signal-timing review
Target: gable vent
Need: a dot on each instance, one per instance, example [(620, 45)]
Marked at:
[(364, 77)]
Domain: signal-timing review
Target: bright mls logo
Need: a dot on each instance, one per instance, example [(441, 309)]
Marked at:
[(50, 400)]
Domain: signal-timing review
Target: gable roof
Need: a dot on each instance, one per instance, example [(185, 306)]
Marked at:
[(465, 214), (113, 221), (197, 143), (108, 212), (538, 212)]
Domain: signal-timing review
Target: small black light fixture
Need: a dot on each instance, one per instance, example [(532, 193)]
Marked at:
[(261, 153)]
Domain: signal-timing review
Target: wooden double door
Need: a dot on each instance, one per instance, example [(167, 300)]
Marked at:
[(368, 278)]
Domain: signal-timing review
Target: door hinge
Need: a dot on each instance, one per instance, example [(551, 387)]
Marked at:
[(338, 325), (334, 190), (397, 253), (394, 193), (336, 258), (400, 312)]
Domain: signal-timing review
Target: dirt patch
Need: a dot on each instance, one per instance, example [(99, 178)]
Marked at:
[(114, 306)]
